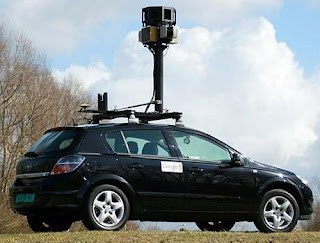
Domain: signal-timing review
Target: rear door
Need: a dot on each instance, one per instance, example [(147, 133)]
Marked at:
[(151, 166), (213, 183)]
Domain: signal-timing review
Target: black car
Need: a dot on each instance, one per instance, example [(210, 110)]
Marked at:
[(107, 174)]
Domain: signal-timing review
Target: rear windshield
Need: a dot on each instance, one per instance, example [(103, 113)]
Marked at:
[(57, 141)]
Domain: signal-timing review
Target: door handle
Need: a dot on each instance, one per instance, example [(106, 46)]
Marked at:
[(136, 166), (195, 169)]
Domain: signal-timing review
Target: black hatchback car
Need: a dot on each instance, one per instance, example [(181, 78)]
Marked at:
[(107, 174)]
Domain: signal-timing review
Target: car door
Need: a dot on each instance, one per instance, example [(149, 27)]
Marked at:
[(143, 154), (213, 184)]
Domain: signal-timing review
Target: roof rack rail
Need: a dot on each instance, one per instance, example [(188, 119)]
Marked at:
[(144, 117)]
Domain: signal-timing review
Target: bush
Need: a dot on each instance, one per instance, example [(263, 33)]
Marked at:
[(31, 101), (314, 224)]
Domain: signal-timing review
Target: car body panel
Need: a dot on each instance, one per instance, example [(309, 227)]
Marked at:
[(218, 187), (217, 190)]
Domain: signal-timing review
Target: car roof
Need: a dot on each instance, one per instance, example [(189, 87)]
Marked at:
[(124, 125), (114, 125)]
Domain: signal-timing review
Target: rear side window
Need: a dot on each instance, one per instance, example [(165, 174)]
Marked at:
[(115, 141), (92, 142), (57, 141), (147, 142)]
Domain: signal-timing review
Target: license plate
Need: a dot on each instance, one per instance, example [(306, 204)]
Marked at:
[(25, 198)]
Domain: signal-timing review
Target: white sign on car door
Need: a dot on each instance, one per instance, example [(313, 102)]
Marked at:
[(173, 167)]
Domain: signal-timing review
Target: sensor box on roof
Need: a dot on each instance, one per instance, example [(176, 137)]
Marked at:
[(148, 35), (156, 16)]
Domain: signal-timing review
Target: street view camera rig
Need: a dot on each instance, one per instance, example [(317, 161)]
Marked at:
[(158, 31)]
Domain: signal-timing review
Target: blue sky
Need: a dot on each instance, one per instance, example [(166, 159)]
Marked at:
[(296, 23), (253, 60)]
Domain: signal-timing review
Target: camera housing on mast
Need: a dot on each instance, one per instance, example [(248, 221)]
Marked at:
[(158, 31), (158, 25)]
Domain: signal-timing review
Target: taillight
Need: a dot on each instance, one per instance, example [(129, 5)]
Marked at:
[(67, 164)]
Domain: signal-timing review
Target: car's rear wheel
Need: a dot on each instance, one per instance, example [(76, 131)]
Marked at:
[(107, 208), (278, 212), (215, 225), (40, 224)]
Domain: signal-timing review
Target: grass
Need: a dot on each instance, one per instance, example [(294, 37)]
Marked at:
[(14, 228), (138, 236)]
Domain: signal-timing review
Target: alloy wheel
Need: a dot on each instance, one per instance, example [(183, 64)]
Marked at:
[(108, 208), (278, 212)]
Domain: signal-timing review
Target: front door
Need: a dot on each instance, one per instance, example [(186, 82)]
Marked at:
[(213, 184), (151, 167)]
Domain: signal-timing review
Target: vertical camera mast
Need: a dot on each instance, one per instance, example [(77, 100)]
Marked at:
[(158, 32)]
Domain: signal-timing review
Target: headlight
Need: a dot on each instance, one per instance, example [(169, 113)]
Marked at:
[(304, 181), (67, 164)]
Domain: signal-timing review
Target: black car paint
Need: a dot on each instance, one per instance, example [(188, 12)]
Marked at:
[(203, 192)]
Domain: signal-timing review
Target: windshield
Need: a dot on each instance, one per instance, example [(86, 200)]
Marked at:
[(56, 141)]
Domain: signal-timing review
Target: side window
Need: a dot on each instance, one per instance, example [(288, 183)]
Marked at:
[(199, 148), (92, 142), (115, 141), (149, 142)]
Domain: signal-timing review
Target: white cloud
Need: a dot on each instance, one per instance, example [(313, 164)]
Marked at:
[(239, 84), (87, 75), (61, 25), (221, 12)]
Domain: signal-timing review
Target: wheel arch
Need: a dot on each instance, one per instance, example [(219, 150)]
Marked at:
[(284, 184), (110, 179)]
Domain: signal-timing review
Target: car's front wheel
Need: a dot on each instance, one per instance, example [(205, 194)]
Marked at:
[(40, 224), (215, 225), (278, 212), (107, 208)]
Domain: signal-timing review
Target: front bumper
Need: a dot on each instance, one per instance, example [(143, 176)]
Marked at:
[(305, 217), (306, 205), (58, 194)]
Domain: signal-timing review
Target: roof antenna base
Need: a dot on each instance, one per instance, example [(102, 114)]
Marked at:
[(132, 118), (179, 122)]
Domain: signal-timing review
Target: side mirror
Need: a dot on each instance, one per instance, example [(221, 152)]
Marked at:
[(236, 159)]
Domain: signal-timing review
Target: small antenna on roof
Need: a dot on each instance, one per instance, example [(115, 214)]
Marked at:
[(74, 123)]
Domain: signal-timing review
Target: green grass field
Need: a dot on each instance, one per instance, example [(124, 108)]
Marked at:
[(151, 237)]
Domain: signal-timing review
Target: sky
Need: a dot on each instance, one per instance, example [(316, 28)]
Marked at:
[(245, 71)]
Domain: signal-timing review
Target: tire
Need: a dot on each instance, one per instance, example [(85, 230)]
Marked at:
[(39, 224), (278, 212), (106, 208), (215, 226)]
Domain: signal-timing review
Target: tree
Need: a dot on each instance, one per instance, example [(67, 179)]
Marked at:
[(31, 100)]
